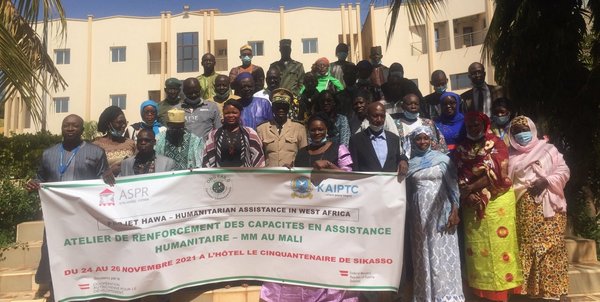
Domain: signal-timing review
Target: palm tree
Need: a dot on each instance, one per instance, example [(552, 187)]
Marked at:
[(417, 11), (25, 65)]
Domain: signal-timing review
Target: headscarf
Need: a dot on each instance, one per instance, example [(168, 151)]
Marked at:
[(451, 126), (242, 76), (535, 160), (155, 125), (421, 160), (322, 60), (476, 115), (487, 157)]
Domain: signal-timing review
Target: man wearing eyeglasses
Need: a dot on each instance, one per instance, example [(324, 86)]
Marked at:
[(480, 97)]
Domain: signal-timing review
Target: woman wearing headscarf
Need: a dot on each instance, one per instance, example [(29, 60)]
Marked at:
[(149, 113), (433, 201), (451, 122), (539, 174), (488, 212), (112, 123), (325, 81), (321, 152), (233, 145), (327, 103)]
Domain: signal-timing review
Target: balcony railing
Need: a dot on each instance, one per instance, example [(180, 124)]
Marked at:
[(443, 44)]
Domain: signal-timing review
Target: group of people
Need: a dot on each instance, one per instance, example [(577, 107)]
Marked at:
[(485, 195)]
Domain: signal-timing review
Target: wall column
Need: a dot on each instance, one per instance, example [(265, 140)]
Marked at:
[(21, 121), (351, 55), (490, 71), (359, 34), (163, 67), (7, 116), (212, 32), (168, 36), (88, 80), (373, 33), (451, 33), (430, 40), (343, 19), (205, 37), (14, 113), (281, 22)]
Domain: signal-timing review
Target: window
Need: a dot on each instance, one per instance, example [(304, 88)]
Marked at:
[(119, 100), (257, 48), (154, 58), (221, 55), (187, 52), (61, 104), (154, 95), (63, 56), (460, 81), (310, 45), (468, 36), (118, 54)]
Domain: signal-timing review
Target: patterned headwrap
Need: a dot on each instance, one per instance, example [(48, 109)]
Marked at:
[(476, 115), (322, 60), (242, 76), (414, 150)]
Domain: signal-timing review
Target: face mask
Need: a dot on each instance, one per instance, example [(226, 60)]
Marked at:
[(411, 116), (375, 63), (222, 96), (342, 55), (397, 73), (441, 89), (523, 138), (115, 132), (475, 138), (375, 129), (500, 120), (317, 143), (246, 59)]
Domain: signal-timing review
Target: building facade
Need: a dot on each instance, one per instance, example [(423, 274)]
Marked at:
[(124, 60)]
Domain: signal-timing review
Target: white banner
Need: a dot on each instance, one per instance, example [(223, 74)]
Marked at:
[(154, 234)]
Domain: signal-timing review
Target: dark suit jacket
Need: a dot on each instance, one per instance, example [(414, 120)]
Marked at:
[(364, 157), (467, 102)]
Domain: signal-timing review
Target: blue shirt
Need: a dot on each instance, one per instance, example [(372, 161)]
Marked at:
[(379, 143), (256, 111)]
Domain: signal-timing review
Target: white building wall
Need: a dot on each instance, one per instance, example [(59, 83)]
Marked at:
[(133, 79)]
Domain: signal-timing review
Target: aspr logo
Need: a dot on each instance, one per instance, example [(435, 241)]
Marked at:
[(107, 198), (218, 186), (302, 187)]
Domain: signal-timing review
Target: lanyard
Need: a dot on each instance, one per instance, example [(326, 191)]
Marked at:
[(62, 168)]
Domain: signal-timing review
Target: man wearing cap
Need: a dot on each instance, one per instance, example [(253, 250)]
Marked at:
[(200, 116), (292, 72), (173, 91), (178, 143), (247, 66), (339, 67), (380, 72), (281, 137), (256, 110), (207, 79)]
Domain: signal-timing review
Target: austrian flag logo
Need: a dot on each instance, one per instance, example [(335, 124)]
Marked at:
[(83, 286), (343, 273), (107, 198)]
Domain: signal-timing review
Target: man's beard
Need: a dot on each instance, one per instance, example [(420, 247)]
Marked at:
[(175, 136)]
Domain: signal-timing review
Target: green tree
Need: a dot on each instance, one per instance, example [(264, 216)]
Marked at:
[(25, 65)]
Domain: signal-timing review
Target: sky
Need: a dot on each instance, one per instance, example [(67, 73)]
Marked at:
[(79, 9)]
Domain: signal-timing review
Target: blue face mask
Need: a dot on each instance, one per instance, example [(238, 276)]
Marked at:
[(246, 59), (500, 120), (317, 143), (441, 89), (411, 116), (523, 138), (342, 55)]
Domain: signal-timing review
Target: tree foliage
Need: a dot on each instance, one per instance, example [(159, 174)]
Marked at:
[(25, 65)]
